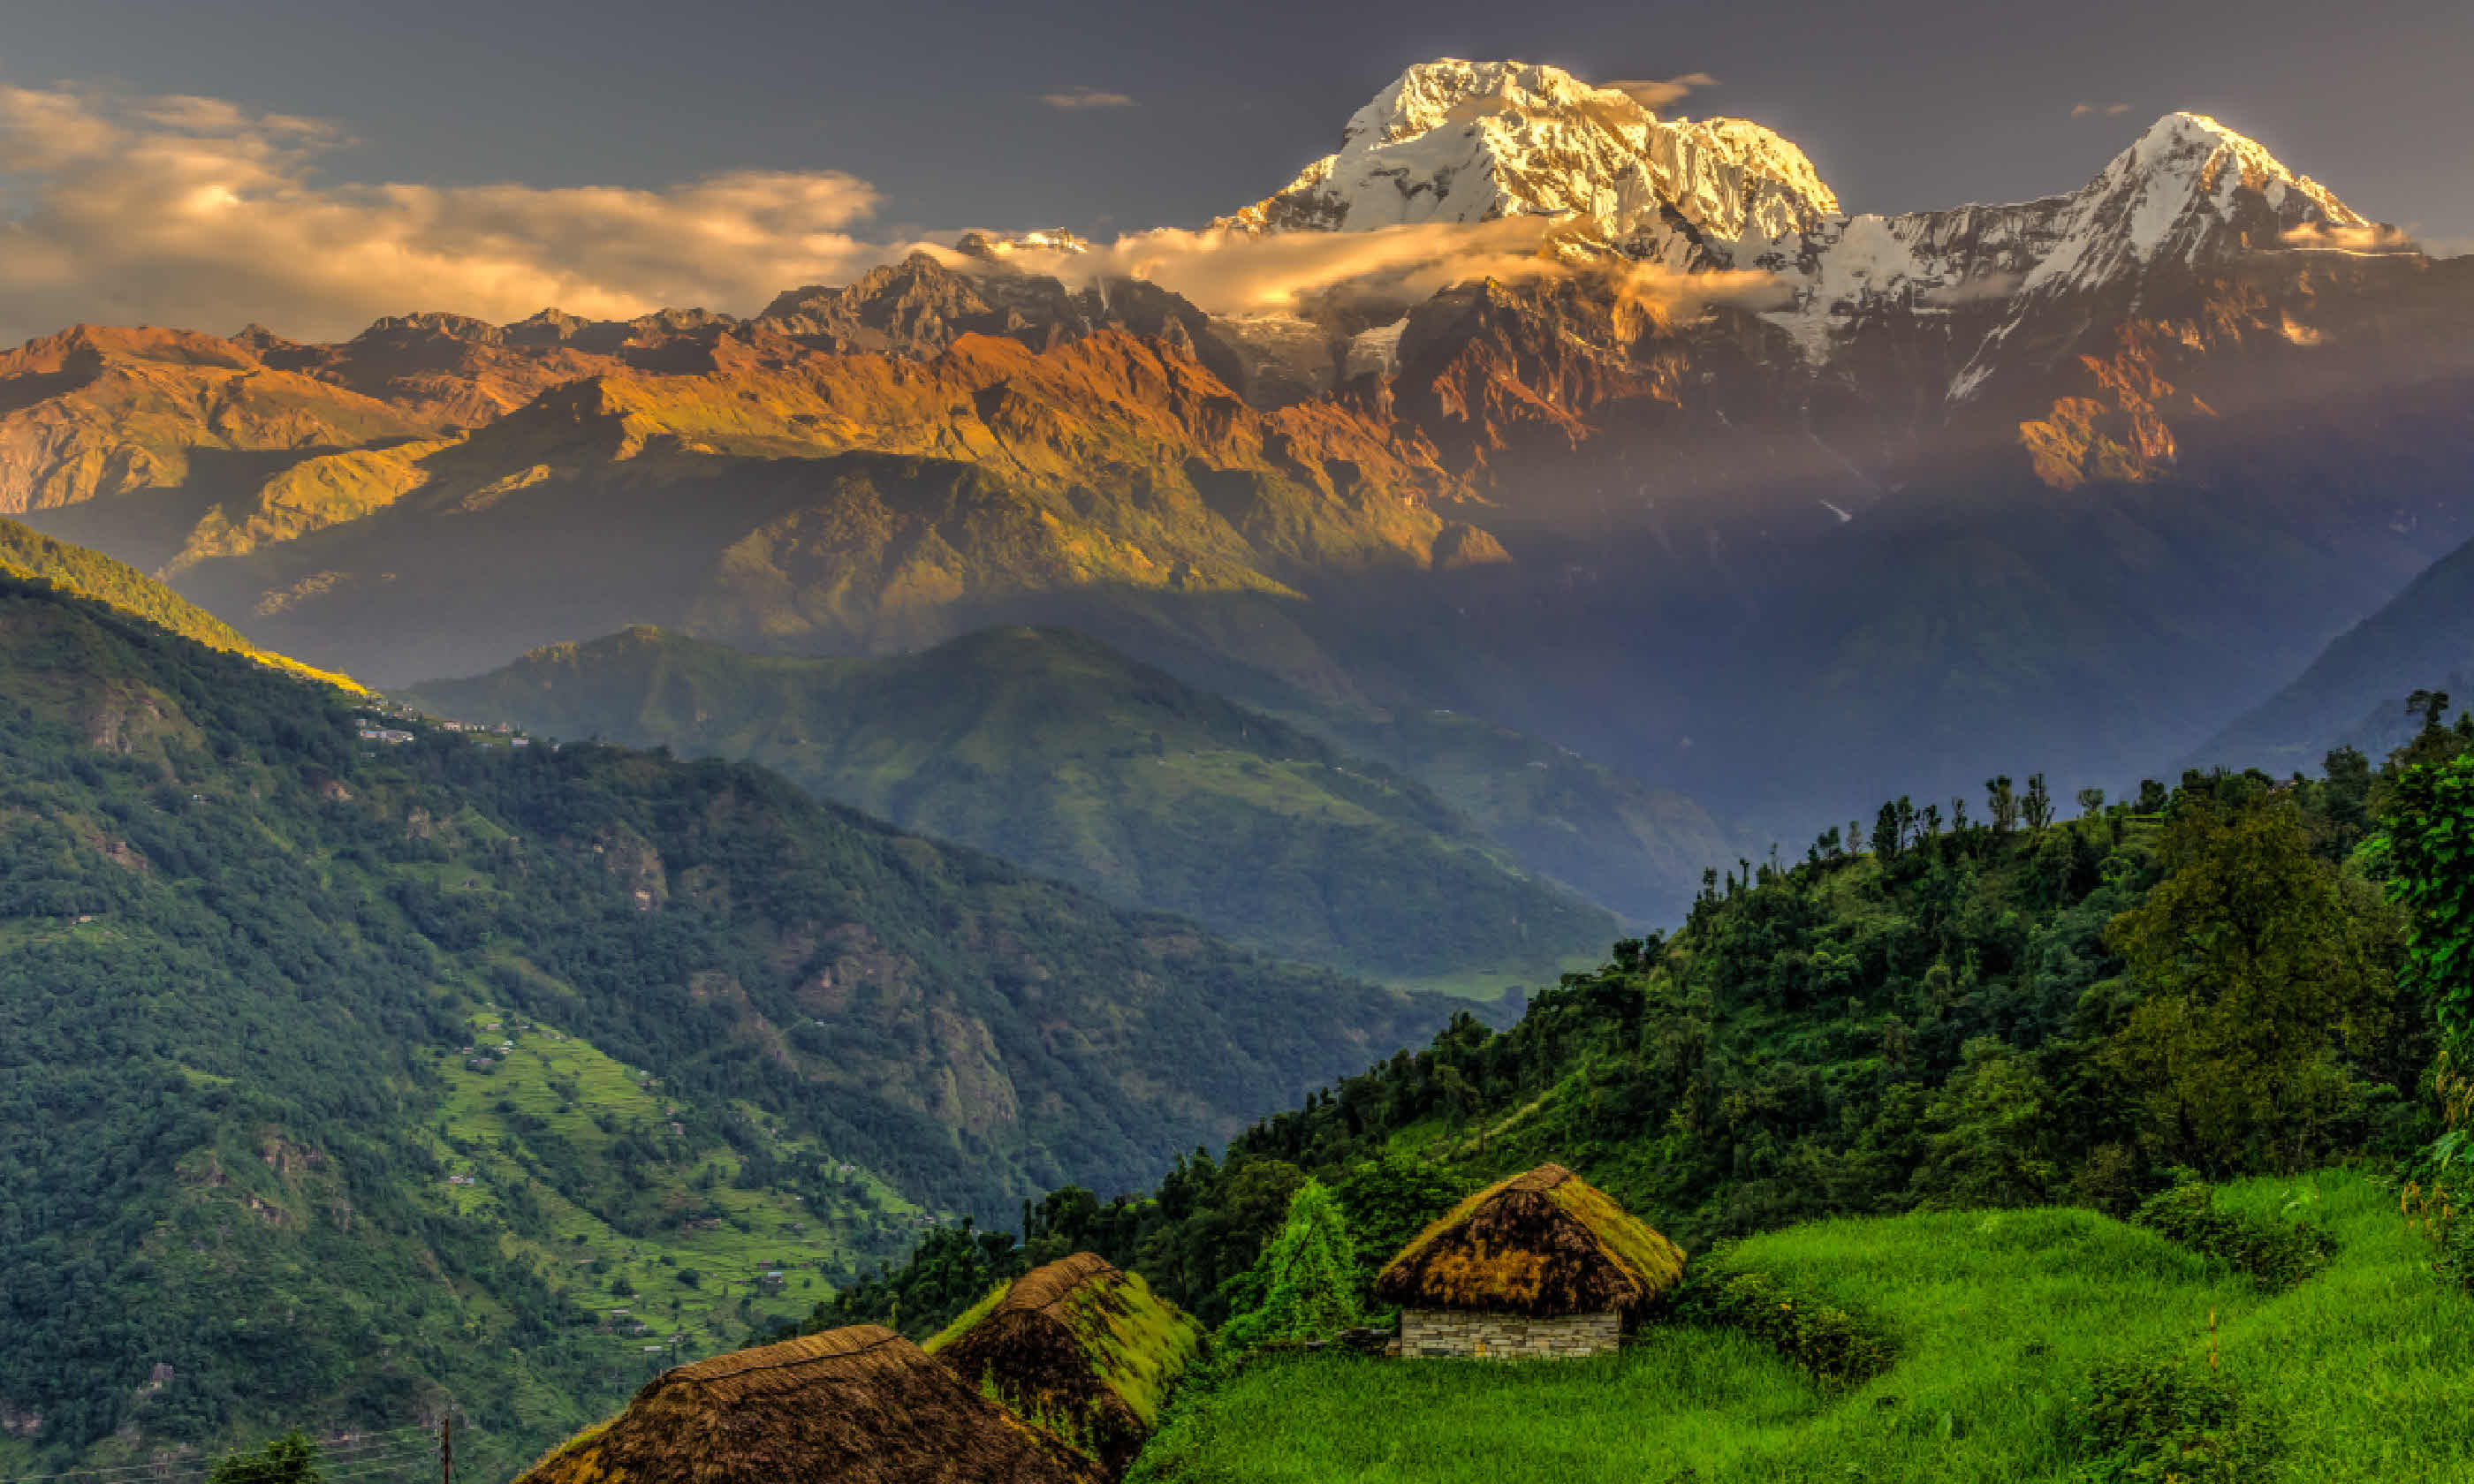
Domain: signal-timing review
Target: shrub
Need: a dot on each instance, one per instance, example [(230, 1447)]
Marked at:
[(2161, 1421), (2110, 1181), (1839, 1348), (2275, 1256), (1307, 1276)]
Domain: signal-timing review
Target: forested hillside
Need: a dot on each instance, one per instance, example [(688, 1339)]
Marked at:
[(342, 1075), (1965, 1010), (1061, 755)]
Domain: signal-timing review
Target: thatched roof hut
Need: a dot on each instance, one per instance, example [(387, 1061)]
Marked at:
[(861, 1405), (1546, 1247), (1079, 1349)]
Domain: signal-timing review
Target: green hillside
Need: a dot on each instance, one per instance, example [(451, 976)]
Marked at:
[(1898, 1103), (1999, 1014), (90, 574), (1059, 753), (343, 1077)]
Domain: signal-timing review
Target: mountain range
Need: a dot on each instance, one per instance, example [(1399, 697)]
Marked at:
[(1616, 430)]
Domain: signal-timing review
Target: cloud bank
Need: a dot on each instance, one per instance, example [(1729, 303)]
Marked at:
[(193, 211), (196, 212), (1236, 272)]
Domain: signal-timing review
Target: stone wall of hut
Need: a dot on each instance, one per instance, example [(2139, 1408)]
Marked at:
[(1464, 1333)]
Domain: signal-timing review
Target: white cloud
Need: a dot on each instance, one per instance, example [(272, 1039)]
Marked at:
[(2089, 110), (1657, 93), (1071, 98), (197, 212), (1239, 272)]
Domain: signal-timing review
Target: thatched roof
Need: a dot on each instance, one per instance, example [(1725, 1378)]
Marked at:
[(1542, 1244), (1082, 1350), (861, 1405)]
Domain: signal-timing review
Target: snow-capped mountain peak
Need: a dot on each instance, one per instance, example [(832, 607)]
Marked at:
[(2187, 190), (1454, 141), (2188, 193)]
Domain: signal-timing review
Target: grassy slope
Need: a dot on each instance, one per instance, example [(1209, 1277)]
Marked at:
[(2367, 1371), (90, 574), (1059, 753)]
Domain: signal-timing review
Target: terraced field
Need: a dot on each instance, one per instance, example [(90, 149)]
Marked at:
[(674, 1232)]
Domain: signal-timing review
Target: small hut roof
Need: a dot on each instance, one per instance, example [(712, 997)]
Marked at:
[(1542, 1244), (1082, 1349), (861, 1405)]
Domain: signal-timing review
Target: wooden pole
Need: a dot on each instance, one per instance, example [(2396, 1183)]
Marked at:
[(447, 1446)]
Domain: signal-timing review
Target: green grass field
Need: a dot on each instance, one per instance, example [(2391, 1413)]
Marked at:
[(2365, 1373)]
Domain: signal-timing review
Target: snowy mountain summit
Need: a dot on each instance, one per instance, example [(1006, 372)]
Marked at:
[(2188, 194), (1453, 141), (1462, 142)]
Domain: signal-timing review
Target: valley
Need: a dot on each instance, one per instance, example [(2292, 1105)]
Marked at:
[(1052, 751)]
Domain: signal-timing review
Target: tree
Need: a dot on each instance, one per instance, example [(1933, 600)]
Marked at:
[(1307, 1276), (2002, 804), (1391, 1199), (2039, 803), (290, 1459), (1886, 833), (2252, 970), (2091, 800), (1988, 1133), (2430, 820)]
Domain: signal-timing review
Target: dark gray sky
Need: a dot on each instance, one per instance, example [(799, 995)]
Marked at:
[(1902, 103)]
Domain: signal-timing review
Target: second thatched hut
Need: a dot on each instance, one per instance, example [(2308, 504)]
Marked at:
[(1540, 1265), (1079, 1349), (860, 1405)]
